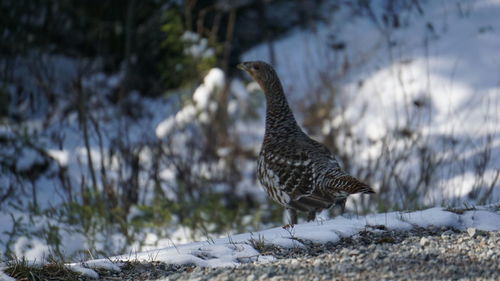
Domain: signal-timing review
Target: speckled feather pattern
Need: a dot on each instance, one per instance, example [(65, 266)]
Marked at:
[(297, 172)]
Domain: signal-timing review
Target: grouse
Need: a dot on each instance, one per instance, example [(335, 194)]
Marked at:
[(298, 172)]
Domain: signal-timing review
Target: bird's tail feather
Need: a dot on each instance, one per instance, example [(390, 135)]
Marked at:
[(352, 185), (368, 190)]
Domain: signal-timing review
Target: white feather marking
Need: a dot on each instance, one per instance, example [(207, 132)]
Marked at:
[(272, 182)]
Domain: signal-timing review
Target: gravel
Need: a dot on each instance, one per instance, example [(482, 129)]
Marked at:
[(374, 254)]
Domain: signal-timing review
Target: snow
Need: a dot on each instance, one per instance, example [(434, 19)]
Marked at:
[(103, 264), (84, 271), (215, 79), (32, 249), (5, 277), (204, 104), (213, 82), (36, 249), (237, 249), (481, 220), (197, 46), (165, 127), (202, 97), (61, 156), (183, 117)]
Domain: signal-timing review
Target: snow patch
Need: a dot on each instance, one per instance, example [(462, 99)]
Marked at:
[(33, 249), (5, 277), (203, 106), (215, 79), (61, 156), (202, 97)]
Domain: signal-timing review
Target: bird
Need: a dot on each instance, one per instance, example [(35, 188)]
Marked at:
[(296, 171)]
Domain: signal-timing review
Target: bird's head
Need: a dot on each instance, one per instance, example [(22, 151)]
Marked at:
[(260, 71)]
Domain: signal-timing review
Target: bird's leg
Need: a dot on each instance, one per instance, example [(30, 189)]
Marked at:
[(292, 215), (293, 218), (342, 205), (339, 207), (311, 216)]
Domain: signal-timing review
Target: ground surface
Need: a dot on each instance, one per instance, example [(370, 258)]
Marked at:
[(374, 254)]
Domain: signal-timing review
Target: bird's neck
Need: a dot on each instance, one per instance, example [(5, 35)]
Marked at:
[(279, 116)]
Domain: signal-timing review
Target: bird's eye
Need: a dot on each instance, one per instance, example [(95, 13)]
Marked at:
[(255, 67)]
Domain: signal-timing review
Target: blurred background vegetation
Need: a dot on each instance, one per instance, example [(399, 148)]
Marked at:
[(144, 37), (50, 51)]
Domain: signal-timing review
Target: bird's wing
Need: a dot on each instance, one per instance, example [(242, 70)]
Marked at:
[(331, 177)]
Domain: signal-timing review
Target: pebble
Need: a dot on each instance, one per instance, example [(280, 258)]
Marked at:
[(472, 231), (424, 241)]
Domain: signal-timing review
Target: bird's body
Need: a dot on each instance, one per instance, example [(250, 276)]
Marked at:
[(298, 172)]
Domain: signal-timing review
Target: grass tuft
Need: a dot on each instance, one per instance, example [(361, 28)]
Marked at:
[(460, 211), (22, 269), (261, 246)]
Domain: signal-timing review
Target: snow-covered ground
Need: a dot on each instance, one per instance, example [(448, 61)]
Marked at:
[(237, 249)]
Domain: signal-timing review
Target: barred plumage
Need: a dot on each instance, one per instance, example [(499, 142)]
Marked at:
[(298, 172)]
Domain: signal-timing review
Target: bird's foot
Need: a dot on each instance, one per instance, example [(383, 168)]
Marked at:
[(287, 226)]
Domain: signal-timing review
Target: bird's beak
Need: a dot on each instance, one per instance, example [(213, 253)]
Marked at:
[(242, 66)]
